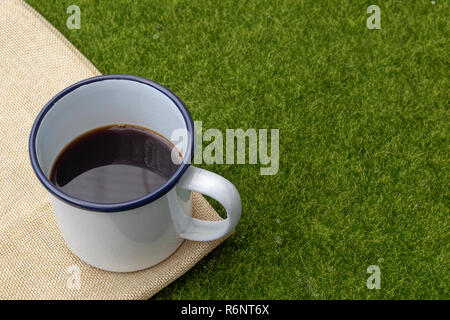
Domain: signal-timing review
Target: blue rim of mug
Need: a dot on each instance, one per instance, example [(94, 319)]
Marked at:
[(119, 206)]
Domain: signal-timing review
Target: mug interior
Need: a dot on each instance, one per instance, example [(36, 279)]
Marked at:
[(101, 101)]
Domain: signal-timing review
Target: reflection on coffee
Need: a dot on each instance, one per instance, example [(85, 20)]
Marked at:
[(115, 163)]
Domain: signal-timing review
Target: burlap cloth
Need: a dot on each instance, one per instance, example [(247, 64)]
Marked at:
[(36, 62)]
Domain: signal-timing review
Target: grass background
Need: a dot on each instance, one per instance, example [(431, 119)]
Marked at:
[(364, 144)]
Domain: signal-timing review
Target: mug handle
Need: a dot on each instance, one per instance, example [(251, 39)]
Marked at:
[(218, 188)]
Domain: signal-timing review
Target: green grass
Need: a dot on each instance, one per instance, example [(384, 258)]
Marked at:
[(364, 134)]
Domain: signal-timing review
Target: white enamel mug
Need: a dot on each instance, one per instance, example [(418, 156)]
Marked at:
[(137, 234)]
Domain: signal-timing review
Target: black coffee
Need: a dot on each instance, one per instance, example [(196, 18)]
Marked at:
[(113, 164)]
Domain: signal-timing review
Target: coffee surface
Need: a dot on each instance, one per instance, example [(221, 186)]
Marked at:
[(113, 164)]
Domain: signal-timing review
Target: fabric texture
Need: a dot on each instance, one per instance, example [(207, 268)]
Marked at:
[(36, 62)]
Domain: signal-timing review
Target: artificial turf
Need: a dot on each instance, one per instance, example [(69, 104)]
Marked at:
[(364, 134)]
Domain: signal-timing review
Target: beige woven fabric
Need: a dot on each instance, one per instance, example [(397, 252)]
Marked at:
[(36, 62)]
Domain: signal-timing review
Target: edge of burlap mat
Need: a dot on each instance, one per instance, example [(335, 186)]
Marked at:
[(58, 35), (34, 261)]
